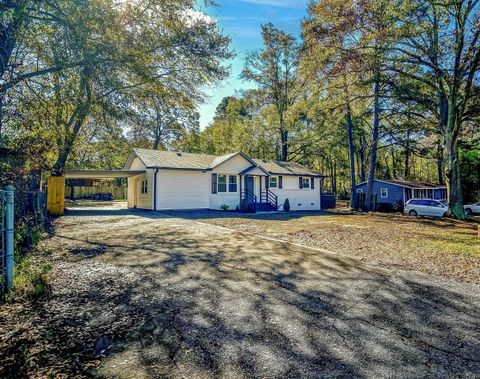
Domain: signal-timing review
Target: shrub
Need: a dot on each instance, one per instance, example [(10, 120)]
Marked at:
[(224, 207), (286, 205), (384, 207), (397, 206)]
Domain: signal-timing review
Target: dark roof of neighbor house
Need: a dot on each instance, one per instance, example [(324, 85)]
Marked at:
[(193, 161), (410, 183)]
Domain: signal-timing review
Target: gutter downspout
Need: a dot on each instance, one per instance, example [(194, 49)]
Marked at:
[(155, 190)]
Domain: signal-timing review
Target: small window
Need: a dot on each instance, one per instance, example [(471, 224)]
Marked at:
[(144, 186), (232, 183), (273, 182), (222, 183), (359, 190), (383, 193), (306, 183)]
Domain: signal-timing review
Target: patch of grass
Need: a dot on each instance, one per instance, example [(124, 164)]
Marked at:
[(31, 279)]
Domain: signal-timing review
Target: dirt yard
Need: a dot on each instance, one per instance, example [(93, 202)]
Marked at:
[(144, 295), (440, 247)]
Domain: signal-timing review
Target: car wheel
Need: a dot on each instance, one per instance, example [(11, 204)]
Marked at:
[(413, 213), (468, 211)]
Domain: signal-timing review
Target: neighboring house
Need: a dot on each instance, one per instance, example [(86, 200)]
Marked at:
[(180, 181), (391, 192)]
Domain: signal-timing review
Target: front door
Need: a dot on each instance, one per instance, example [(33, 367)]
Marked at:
[(249, 184)]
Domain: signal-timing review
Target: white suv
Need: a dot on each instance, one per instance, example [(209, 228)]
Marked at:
[(471, 209), (425, 207)]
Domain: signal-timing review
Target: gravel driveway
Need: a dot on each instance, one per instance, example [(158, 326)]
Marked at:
[(144, 295)]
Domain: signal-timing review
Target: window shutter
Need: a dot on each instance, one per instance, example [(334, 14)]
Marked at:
[(300, 182), (280, 182), (312, 183), (214, 183), (267, 182)]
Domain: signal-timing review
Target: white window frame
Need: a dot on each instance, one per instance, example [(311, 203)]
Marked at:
[(236, 183), (309, 186), (270, 182), (386, 193), (218, 183), (359, 190)]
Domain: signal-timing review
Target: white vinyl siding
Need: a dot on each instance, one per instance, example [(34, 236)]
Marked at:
[(183, 190), (300, 199)]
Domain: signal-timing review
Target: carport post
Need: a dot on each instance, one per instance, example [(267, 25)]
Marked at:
[(56, 195)]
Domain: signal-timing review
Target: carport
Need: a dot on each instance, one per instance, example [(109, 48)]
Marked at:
[(56, 185)]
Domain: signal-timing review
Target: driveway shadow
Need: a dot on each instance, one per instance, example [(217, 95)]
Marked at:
[(179, 299)]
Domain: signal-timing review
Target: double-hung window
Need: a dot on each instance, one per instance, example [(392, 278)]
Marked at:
[(273, 182), (383, 193), (306, 183), (144, 186), (222, 183), (232, 183)]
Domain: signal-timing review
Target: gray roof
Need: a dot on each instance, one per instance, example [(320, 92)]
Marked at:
[(172, 159), (415, 184), (192, 161), (286, 168)]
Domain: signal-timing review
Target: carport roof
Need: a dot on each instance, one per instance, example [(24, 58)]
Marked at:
[(100, 174)]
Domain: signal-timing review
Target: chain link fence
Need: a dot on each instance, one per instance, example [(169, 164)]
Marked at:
[(22, 215)]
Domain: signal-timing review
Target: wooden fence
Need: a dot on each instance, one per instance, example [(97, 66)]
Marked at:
[(75, 193)]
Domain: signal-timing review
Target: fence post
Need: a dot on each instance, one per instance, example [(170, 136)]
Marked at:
[(9, 202)]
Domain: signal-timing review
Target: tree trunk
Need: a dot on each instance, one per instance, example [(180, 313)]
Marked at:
[(2, 96), (407, 157), (284, 143), (441, 180), (363, 173), (79, 121), (452, 166), (158, 131), (351, 153), (375, 134), (334, 176)]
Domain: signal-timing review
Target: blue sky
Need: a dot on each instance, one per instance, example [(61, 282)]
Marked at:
[(241, 20)]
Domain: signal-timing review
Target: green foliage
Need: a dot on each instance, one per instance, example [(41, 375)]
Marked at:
[(107, 77), (224, 207), (470, 169), (286, 205), (31, 279)]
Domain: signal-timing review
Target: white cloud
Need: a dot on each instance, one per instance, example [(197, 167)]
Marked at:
[(193, 16)]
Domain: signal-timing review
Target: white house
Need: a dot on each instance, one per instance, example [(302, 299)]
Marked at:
[(183, 181)]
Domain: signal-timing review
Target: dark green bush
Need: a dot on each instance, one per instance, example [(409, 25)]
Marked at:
[(286, 205)]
